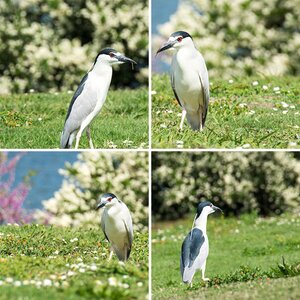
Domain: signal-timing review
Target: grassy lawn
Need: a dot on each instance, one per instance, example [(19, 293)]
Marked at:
[(38, 262), (241, 115), (36, 120), (245, 259)]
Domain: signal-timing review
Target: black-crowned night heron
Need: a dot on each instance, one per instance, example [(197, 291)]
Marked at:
[(90, 97), (194, 250), (116, 224), (189, 79)]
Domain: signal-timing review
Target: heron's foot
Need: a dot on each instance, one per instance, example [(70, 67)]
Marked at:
[(205, 279)]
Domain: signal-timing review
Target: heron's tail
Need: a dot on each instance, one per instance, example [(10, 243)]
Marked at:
[(188, 274), (64, 140), (197, 119), (194, 120)]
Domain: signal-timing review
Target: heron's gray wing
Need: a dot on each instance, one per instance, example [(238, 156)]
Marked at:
[(191, 248), (173, 88), (103, 226), (76, 94), (204, 81), (129, 230)]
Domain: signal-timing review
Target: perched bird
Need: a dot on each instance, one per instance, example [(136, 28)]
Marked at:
[(194, 250), (116, 224), (189, 79), (90, 97)]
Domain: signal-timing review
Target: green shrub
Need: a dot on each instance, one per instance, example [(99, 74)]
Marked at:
[(240, 182), (124, 174), (49, 45), (241, 37)]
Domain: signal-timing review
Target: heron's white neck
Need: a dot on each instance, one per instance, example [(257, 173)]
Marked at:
[(102, 68), (201, 222)]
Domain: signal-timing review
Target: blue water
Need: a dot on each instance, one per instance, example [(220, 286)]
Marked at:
[(161, 13), (46, 180)]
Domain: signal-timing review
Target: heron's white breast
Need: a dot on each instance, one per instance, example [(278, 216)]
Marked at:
[(185, 67), (114, 224)]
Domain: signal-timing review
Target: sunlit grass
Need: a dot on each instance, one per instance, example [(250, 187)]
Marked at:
[(35, 121), (245, 256), (39, 262), (243, 113)]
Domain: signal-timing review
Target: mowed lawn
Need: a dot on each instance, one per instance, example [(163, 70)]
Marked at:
[(243, 259), (243, 113), (35, 121), (38, 262)]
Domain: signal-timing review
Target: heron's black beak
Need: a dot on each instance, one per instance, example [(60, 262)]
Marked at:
[(125, 59), (100, 205), (166, 46), (217, 208)]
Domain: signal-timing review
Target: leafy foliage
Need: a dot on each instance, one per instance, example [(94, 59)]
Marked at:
[(123, 173), (239, 182), (48, 45), (239, 38)]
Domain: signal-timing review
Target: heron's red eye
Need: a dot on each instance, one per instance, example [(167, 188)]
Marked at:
[(179, 39), (109, 199), (111, 54)]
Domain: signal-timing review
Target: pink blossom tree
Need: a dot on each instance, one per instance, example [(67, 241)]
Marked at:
[(12, 198)]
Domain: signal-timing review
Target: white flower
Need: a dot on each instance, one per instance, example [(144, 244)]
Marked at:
[(246, 146), (163, 125), (1, 282), (275, 108), (17, 283), (9, 280), (31, 91), (139, 284), (93, 267), (276, 88), (292, 106), (292, 144), (112, 281), (285, 112), (74, 240), (284, 105), (230, 81), (82, 270), (40, 119), (254, 83), (153, 92), (265, 87), (47, 282)]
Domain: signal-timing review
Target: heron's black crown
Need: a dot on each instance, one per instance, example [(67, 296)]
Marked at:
[(201, 206), (107, 51), (184, 34), (107, 195)]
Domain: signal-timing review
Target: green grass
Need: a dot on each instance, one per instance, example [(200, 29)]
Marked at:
[(78, 269), (245, 259), (240, 115), (36, 120)]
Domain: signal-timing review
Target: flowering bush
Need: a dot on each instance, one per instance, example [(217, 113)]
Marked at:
[(241, 37), (124, 174), (11, 198), (239, 182), (48, 45)]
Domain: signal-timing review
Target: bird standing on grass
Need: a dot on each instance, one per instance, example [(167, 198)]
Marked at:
[(194, 250), (90, 97), (116, 224), (189, 79)]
